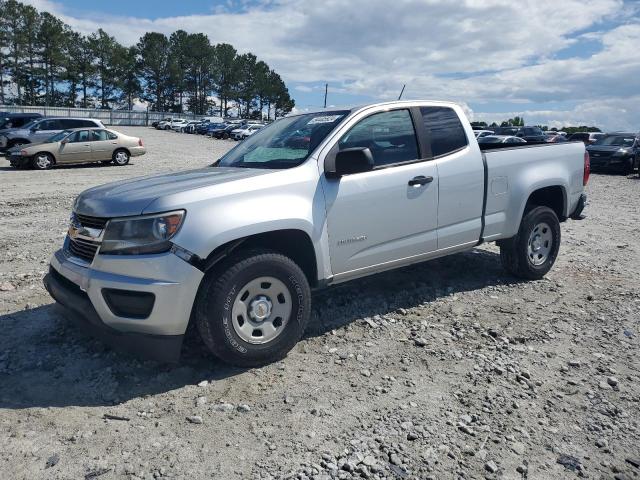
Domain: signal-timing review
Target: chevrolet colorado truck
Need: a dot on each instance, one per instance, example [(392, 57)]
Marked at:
[(236, 248)]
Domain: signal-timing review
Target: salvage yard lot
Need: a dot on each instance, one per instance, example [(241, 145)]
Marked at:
[(439, 370)]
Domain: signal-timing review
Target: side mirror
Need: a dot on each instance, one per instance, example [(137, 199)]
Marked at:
[(349, 161), (64, 141)]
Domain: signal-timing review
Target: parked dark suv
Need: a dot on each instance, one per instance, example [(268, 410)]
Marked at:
[(16, 120), (619, 151), (587, 138)]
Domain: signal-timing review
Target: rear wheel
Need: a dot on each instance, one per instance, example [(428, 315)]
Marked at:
[(534, 249), (120, 157), (254, 309), (42, 161)]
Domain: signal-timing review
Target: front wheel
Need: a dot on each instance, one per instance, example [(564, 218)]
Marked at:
[(534, 249), (120, 157), (42, 161), (254, 309)]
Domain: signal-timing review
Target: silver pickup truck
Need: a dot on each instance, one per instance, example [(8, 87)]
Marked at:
[(306, 202)]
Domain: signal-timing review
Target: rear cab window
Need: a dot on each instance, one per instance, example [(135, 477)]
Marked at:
[(444, 130)]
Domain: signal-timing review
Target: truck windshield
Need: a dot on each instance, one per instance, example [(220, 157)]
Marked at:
[(285, 143), (621, 140)]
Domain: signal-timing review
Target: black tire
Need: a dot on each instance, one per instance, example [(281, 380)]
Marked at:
[(223, 286), (514, 252), (120, 157), (42, 161), (629, 167)]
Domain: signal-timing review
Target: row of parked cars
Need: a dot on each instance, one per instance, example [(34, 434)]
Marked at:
[(34, 141), (214, 127), (618, 151)]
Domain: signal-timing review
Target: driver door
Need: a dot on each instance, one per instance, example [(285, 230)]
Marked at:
[(388, 215), (77, 149)]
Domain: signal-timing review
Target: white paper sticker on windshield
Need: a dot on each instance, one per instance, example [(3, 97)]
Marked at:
[(324, 119)]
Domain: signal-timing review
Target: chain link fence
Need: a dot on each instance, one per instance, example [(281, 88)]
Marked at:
[(108, 117)]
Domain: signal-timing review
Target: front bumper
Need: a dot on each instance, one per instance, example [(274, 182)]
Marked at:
[(172, 282), (609, 162), (17, 160)]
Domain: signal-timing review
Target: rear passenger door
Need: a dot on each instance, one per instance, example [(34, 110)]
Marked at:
[(46, 129), (461, 177), (103, 144), (387, 215)]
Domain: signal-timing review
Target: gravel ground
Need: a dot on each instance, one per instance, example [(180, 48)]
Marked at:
[(449, 369)]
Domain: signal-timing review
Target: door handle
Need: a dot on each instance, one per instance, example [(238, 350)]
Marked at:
[(420, 180)]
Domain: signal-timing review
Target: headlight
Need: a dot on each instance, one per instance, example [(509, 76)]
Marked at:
[(140, 235), (623, 152)]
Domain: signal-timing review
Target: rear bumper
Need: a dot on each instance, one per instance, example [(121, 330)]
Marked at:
[(137, 151), (78, 307), (577, 213)]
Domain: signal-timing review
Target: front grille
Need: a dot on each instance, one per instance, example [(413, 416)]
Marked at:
[(84, 249), (92, 222)]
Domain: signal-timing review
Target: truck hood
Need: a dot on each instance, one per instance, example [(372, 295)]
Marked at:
[(131, 197)]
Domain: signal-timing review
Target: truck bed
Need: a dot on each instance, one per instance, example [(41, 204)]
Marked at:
[(502, 146), (512, 172)]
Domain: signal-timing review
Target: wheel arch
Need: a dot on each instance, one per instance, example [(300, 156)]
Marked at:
[(293, 243), (121, 148), (552, 196)]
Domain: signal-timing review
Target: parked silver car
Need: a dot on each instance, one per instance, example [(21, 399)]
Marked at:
[(41, 129)]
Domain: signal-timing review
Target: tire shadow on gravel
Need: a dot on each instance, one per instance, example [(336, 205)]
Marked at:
[(46, 361)]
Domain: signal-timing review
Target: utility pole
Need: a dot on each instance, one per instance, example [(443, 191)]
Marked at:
[(326, 88), (401, 91)]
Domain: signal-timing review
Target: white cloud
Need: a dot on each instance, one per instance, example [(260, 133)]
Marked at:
[(473, 51)]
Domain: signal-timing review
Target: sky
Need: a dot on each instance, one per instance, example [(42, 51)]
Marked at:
[(554, 62)]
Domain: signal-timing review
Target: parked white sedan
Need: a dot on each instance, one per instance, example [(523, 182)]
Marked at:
[(501, 139), (242, 133)]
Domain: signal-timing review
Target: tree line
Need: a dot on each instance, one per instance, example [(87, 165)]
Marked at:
[(43, 61)]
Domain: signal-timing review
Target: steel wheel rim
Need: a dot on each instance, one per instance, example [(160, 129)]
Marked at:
[(43, 161), (121, 157), (540, 244), (261, 310)]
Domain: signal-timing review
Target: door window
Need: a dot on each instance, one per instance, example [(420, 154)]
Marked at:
[(389, 135), (80, 136), (98, 135), (48, 125), (445, 130)]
